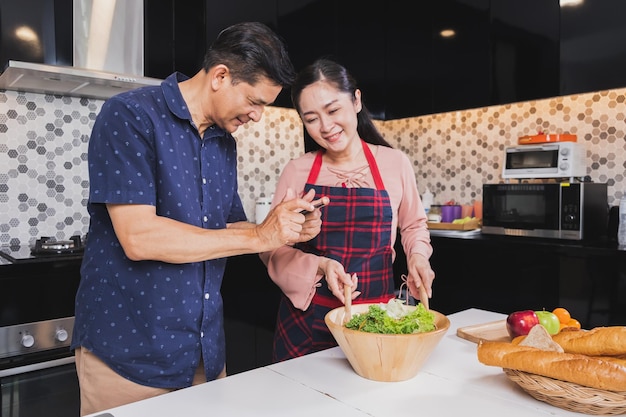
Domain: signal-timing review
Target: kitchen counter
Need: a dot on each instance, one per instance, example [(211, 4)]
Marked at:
[(451, 383)]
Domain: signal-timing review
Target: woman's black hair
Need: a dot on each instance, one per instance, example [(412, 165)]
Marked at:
[(338, 76)]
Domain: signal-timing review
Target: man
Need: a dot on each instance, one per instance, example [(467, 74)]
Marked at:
[(165, 214)]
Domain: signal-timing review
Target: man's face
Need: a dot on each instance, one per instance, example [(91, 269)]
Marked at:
[(237, 104)]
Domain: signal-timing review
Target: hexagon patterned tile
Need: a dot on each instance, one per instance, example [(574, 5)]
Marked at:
[(43, 152)]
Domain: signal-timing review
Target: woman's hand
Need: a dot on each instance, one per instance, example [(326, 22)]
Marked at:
[(337, 278), (419, 273)]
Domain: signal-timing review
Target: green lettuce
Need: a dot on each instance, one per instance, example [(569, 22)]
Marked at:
[(393, 318)]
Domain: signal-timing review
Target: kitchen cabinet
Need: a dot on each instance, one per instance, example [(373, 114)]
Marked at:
[(593, 51), (309, 29), (461, 63), (361, 46), (506, 277), (504, 51), (344, 31), (174, 37), (250, 307), (36, 31), (409, 61), (508, 273), (407, 69), (524, 50)]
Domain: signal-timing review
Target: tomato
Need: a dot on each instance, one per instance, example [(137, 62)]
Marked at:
[(563, 315), (549, 320)]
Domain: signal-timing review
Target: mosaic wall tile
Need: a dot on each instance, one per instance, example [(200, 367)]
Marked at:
[(43, 155), (43, 144), (455, 153), (263, 150)]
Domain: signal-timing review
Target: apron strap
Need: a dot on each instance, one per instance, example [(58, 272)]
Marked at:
[(315, 169), (378, 180), (317, 165)]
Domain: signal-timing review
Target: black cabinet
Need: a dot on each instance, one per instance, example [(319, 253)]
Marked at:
[(593, 51), (502, 51), (37, 31), (408, 60), (461, 61), (524, 50), (310, 30), (251, 302), (493, 275), (174, 37), (361, 44), (507, 273)]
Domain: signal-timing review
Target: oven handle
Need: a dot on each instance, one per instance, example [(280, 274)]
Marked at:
[(37, 366)]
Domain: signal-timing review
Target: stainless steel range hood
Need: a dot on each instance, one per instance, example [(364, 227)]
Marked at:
[(69, 81), (107, 42)]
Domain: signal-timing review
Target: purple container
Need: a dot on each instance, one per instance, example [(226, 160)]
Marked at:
[(450, 213), (458, 211), (447, 214)]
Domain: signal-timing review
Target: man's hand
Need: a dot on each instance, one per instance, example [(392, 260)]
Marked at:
[(285, 224)]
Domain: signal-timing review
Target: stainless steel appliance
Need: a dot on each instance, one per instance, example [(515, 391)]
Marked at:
[(546, 160), (566, 210), (37, 289)]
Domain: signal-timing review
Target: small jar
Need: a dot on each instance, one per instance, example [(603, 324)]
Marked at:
[(261, 209)]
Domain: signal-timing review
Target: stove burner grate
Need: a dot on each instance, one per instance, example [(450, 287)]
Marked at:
[(50, 246)]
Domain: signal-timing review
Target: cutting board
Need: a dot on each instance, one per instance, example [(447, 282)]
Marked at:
[(470, 225), (492, 331)]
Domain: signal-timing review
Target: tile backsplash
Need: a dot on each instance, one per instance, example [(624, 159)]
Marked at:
[(43, 152)]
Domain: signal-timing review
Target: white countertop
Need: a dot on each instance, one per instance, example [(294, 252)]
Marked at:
[(451, 383)]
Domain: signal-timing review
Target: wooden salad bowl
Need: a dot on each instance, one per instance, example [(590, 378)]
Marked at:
[(385, 357)]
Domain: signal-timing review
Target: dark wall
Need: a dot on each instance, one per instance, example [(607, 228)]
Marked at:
[(503, 51)]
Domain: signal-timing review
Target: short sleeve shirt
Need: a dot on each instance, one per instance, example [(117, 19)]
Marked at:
[(148, 320)]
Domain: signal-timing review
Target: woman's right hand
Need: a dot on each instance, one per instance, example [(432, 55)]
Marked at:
[(336, 278)]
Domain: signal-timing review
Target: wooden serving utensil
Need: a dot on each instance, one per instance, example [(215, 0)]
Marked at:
[(347, 294), (423, 296)]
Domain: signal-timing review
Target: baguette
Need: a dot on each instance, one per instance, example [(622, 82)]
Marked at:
[(620, 360), (570, 367), (599, 341)]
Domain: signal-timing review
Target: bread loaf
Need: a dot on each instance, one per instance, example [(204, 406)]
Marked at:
[(576, 368), (599, 341), (620, 360), (539, 338)]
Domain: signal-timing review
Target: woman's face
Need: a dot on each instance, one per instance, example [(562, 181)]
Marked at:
[(330, 116)]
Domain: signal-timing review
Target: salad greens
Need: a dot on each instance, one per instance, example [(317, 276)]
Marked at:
[(393, 318)]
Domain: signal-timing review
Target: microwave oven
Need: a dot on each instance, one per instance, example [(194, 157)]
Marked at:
[(574, 211), (546, 160)]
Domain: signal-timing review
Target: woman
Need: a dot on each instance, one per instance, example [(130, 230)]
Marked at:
[(372, 194)]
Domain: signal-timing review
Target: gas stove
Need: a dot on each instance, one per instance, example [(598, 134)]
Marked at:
[(39, 284), (44, 249)]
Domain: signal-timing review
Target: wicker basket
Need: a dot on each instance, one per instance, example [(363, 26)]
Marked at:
[(570, 396)]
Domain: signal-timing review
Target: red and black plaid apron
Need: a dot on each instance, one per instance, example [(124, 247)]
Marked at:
[(356, 231)]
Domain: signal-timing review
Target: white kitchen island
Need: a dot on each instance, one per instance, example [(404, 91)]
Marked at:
[(451, 383)]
